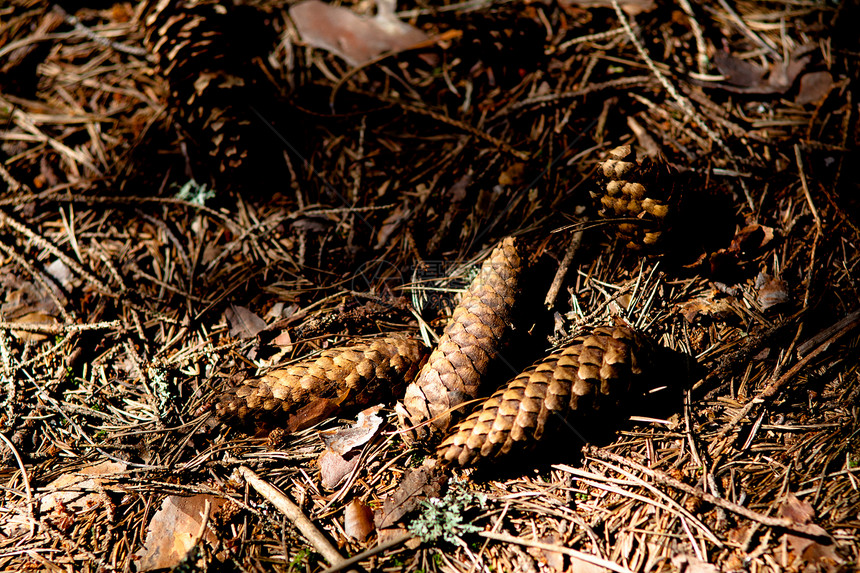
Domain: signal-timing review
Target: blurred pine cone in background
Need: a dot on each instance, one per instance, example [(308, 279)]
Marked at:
[(213, 56)]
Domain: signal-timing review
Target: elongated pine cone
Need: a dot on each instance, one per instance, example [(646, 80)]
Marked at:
[(469, 343), (592, 373), (306, 392), (635, 190)]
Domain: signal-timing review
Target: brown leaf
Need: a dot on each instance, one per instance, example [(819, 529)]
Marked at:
[(357, 520), (553, 560), (692, 564), (418, 484), (771, 291), (343, 440), (356, 39), (706, 306), (751, 238), (334, 468), (243, 322), (37, 317), (749, 78), (173, 531), (813, 87), (808, 550)]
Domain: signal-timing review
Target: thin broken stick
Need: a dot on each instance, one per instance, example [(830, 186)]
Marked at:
[(294, 514)]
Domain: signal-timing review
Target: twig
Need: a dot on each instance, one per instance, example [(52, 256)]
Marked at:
[(701, 47), (572, 248), (850, 322), (59, 328), (587, 557), (664, 479), (367, 554), (25, 480), (805, 186), (294, 514)]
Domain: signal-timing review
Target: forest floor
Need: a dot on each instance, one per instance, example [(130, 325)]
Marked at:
[(199, 191)]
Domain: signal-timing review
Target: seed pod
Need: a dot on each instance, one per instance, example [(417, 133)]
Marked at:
[(635, 190), (355, 375), (592, 373), (468, 345)]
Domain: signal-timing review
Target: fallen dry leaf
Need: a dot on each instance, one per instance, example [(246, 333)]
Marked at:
[(357, 520), (709, 305), (813, 87), (243, 322), (37, 317), (746, 77), (692, 564), (807, 550), (356, 39), (343, 440), (335, 463), (334, 468), (771, 291), (173, 531), (71, 493), (418, 484)]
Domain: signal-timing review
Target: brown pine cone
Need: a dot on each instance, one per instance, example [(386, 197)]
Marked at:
[(305, 392), (635, 190), (213, 56), (593, 372), (468, 345)]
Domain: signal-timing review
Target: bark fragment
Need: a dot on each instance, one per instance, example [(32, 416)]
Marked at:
[(592, 373), (354, 375), (469, 344)]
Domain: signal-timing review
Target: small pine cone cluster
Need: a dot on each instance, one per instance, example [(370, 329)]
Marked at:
[(635, 190), (356, 375), (592, 373), (469, 344)]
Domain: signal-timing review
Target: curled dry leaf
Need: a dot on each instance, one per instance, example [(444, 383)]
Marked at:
[(746, 77), (772, 291), (417, 485), (594, 372), (339, 460), (469, 344), (173, 530), (356, 39), (306, 392), (357, 520)]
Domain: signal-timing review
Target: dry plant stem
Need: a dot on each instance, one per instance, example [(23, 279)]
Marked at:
[(588, 558), (294, 514), (25, 480), (355, 559), (805, 186), (850, 323), (468, 346), (662, 478), (59, 328), (572, 248)]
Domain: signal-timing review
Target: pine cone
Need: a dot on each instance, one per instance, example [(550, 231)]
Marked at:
[(635, 190), (356, 375), (213, 56), (468, 345), (592, 373)]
